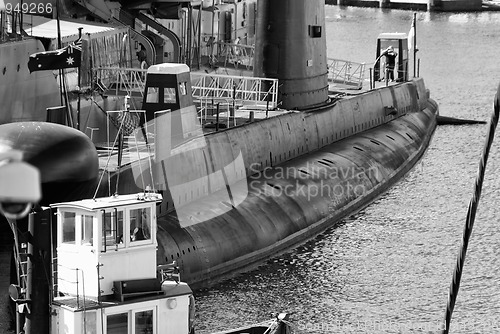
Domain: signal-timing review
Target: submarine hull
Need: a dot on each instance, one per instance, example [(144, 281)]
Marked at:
[(299, 174), (294, 201)]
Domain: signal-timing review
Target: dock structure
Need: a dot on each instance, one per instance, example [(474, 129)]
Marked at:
[(429, 5)]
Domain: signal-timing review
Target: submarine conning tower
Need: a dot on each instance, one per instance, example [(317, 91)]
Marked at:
[(291, 47)]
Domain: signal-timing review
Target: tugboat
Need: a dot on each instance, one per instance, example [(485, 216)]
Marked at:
[(105, 277)]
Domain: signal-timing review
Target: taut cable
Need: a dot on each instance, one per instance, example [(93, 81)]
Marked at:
[(471, 215)]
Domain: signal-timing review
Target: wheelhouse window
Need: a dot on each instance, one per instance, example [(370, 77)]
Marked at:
[(152, 95), (113, 228), (87, 230), (182, 88), (68, 228), (169, 95), (140, 224)]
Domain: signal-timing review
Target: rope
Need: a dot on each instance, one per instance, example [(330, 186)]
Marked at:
[(471, 215), (140, 163), (21, 274), (150, 165), (109, 158)]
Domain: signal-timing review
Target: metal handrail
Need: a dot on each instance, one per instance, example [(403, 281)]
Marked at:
[(238, 55), (122, 79), (254, 91), (73, 282), (346, 72)]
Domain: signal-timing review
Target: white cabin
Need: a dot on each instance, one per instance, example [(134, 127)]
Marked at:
[(105, 275)]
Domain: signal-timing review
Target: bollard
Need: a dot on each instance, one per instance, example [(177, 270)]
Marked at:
[(252, 116), (384, 3)]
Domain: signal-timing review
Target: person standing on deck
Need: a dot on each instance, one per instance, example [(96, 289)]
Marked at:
[(390, 62), (142, 56)]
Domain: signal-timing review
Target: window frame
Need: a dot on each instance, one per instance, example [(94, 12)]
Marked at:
[(148, 241)]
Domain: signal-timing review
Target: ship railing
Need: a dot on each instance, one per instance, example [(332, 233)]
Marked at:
[(233, 55), (216, 110), (121, 80), (214, 94), (73, 284), (135, 145), (346, 73), (244, 91), (137, 148), (169, 272)]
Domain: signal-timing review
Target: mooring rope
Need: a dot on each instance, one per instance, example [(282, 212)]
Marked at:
[(109, 159), (471, 215)]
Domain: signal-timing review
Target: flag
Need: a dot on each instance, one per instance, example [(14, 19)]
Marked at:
[(411, 35), (69, 56)]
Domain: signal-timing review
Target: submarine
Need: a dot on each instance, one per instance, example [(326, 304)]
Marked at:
[(238, 196)]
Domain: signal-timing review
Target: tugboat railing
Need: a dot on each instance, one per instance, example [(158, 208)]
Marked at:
[(76, 282), (346, 73)]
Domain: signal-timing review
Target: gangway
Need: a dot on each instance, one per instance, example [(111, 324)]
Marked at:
[(345, 73), (237, 92)]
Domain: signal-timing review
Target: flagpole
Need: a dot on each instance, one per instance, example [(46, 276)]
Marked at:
[(59, 44), (414, 45), (79, 83)]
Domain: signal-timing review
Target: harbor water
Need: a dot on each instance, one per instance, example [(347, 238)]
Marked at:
[(388, 268)]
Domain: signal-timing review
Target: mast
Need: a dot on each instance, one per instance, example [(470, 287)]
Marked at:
[(414, 26), (79, 85)]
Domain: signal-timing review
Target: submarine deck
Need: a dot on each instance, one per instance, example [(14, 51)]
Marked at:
[(137, 149)]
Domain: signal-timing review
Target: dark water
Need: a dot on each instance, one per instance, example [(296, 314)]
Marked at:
[(389, 268)]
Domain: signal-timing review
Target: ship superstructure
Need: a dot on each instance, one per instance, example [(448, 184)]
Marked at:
[(106, 279)]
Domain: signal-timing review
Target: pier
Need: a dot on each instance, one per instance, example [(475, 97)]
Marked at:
[(428, 5)]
